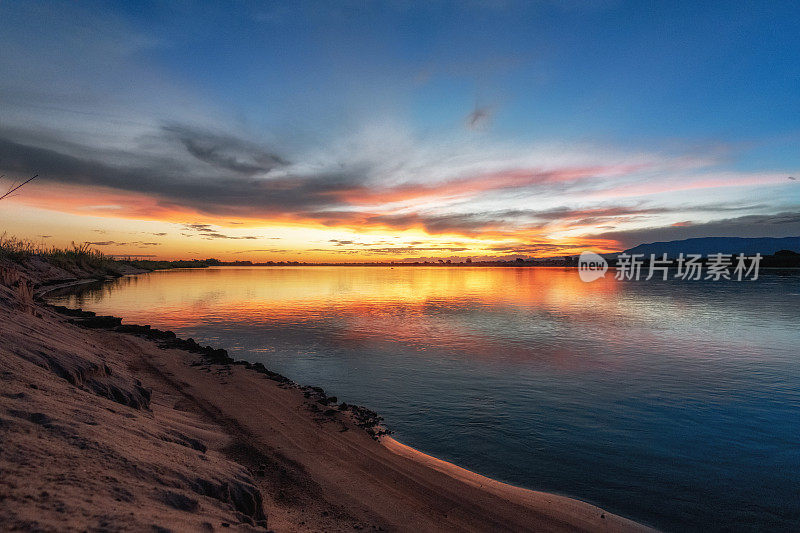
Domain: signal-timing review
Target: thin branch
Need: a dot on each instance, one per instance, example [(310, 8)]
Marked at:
[(15, 188)]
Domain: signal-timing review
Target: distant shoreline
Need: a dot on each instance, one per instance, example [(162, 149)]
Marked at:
[(83, 261)]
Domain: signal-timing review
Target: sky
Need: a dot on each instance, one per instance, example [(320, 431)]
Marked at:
[(377, 131)]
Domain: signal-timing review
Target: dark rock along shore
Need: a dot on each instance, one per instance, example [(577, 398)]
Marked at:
[(365, 418)]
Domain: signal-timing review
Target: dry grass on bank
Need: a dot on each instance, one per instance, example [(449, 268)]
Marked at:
[(79, 256), (21, 289), (84, 257)]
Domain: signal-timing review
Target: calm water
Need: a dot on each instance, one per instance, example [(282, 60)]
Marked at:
[(674, 403)]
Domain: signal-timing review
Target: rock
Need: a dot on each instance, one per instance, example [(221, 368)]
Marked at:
[(98, 322), (240, 493), (134, 329), (37, 418), (184, 440), (98, 378), (178, 501), (71, 312)]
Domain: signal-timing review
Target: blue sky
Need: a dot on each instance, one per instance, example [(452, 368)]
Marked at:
[(381, 95), (717, 71)]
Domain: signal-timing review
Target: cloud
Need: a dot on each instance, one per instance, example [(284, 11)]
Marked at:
[(225, 151), (393, 250), (786, 224), (140, 244), (380, 177), (291, 192), (365, 188), (273, 250), (112, 133), (514, 221), (175, 183), (206, 231), (479, 118)]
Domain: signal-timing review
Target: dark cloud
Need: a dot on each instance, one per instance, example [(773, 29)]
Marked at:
[(528, 219), (779, 225), (501, 220), (528, 248), (198, 227), (221, 175), (466, 223), (208, 232), (140, 244), (273, 250), (392, 250), (224, 151), (480, 117), (175, 183)]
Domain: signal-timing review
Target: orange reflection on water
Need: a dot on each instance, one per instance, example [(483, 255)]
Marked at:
[(511, 313), (186, 296), (455, 308)]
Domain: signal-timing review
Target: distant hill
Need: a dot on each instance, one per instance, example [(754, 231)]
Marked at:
[(725, 245)]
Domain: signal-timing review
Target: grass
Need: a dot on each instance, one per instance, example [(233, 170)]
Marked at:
[(83, 257), (15, 249), (163, 265), (9, 276), (24, 296), (78, 256), (21, 289)]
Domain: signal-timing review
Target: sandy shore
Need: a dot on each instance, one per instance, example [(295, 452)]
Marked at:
[(103, 430)]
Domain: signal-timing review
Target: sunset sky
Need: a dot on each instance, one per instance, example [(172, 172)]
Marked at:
[(375, 131)]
